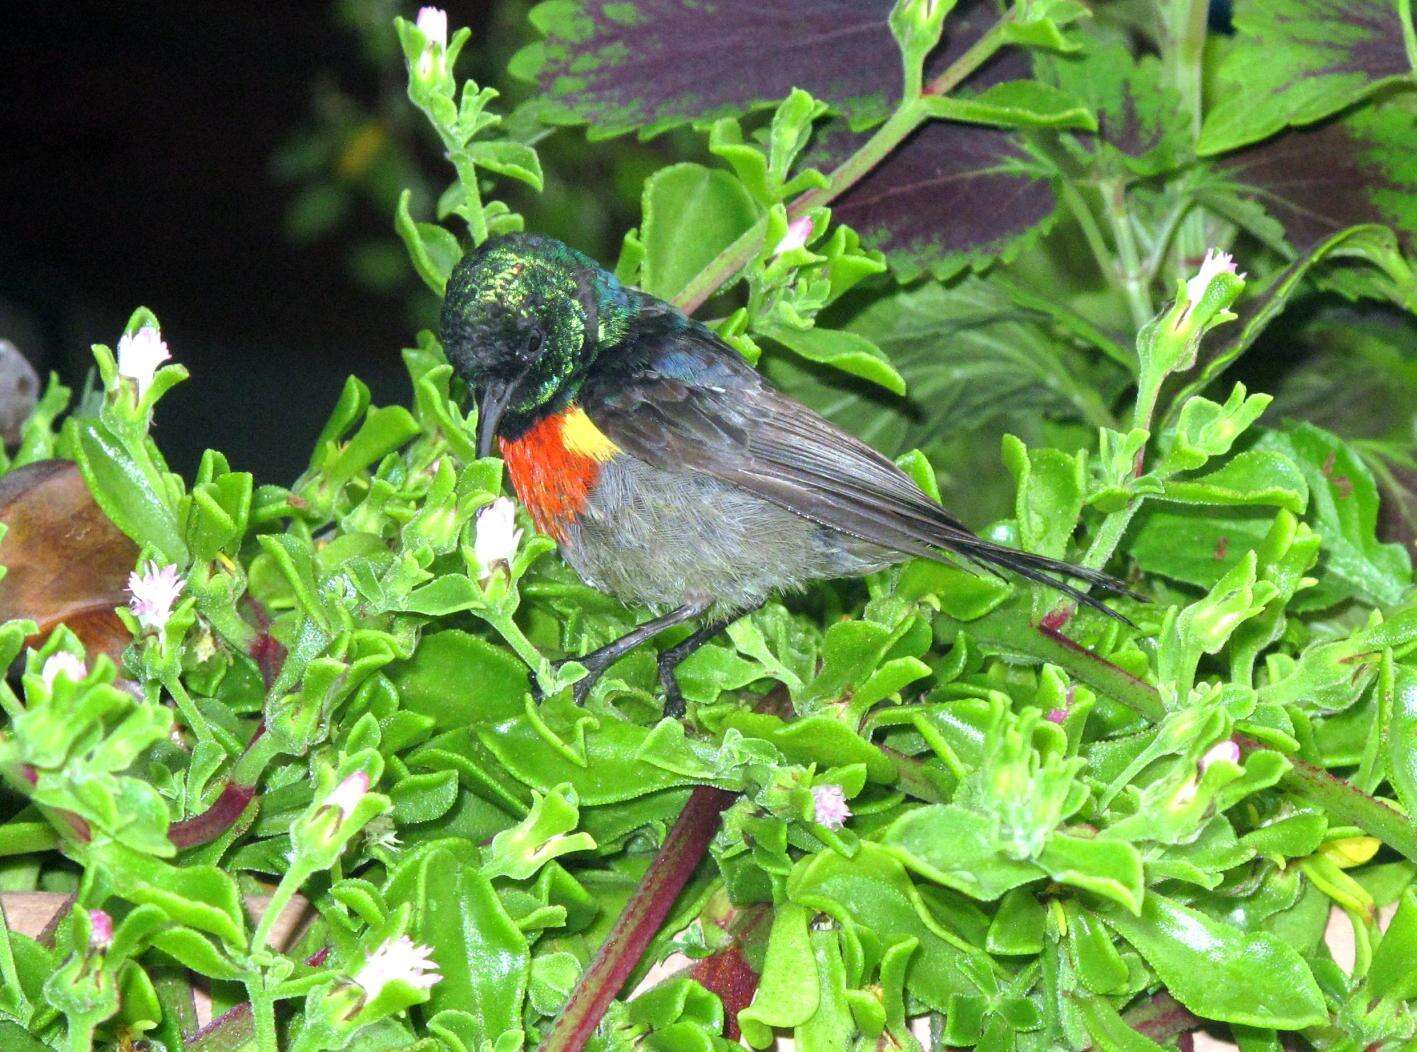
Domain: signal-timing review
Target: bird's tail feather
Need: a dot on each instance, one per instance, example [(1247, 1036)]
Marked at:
[(1052, 573)]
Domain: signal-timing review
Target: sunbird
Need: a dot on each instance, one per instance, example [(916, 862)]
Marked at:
[(671, 474)]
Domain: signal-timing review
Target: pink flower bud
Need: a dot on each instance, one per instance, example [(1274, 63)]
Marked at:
[(1226, 750), (348, 793), (798, 231), (100, 930), (829, 807)]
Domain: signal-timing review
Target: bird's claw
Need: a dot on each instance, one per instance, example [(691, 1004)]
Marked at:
[(674, 704)]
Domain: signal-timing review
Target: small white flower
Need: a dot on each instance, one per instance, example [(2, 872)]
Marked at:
[(432, 22), (798, 231), (382, 833), (65, 663), (497, 536), (139, 355), (1226, 750), (399, 958), (1214, 264), (829, 807), (348, 793), (154, 591)]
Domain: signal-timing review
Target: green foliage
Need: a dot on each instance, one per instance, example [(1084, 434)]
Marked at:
[(1058, 823)]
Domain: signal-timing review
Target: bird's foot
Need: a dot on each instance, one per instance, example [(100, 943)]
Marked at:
[(580, 690), (674, 704)]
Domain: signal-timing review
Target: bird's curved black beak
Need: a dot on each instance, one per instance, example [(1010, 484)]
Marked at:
[(495, 396)]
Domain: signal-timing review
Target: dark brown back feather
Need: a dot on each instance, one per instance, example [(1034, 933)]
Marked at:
[(686, 400)]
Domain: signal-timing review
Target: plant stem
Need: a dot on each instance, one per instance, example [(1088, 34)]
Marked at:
[(1114, 202), (263, 1012), (81, 1034), (215, 820), (909, 116), (280, 898), (1161, 1017), (1182, 48), (526, 650), (1347, 803), (671, 869), (1091, 232)]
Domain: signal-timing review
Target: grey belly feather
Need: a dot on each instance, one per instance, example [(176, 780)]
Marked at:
[(664, 538)]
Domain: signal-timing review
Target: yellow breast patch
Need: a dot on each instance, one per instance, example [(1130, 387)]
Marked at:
[(580, 435)]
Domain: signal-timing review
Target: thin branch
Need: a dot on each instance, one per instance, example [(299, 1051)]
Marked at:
[(671, 869), (722, 268)]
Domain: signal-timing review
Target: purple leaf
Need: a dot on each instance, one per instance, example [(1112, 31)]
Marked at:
[(654, 64), (952, 195), (1320, 180)]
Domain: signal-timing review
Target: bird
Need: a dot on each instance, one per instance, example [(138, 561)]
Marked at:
[(669, 471)]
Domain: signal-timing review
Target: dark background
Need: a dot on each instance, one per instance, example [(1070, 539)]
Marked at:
[(136, 145)]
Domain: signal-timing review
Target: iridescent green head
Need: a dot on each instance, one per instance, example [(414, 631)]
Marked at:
[(522, 323)]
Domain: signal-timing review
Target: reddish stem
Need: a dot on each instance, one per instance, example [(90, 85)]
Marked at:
[(671, 869), (1161, 1017), (728, 974), (215, 820)]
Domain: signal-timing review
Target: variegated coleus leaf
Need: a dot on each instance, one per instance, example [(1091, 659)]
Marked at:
[(1318, 181), (1293, 62), (950, 196)]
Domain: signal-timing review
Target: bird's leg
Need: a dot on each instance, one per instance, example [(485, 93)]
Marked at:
[(670, 659), (597, 661)]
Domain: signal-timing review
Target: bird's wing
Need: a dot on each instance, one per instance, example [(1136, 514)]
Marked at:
[(701, 407)]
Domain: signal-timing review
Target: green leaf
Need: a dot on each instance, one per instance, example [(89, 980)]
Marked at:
[(1111, 869), (1344, 512), (872, 893), (195, 951), (1402, 738), (847, 351), (544, 834), (424, 797), (1391, 974), (787, 990), (433, 249), (1015, 104), (690, 214), (1219, 971), (1109, 1031), (1050, 490), (1255, 476), (479, 949), (1195, 545), (1297, 61), (957, 848), (129, 489)]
